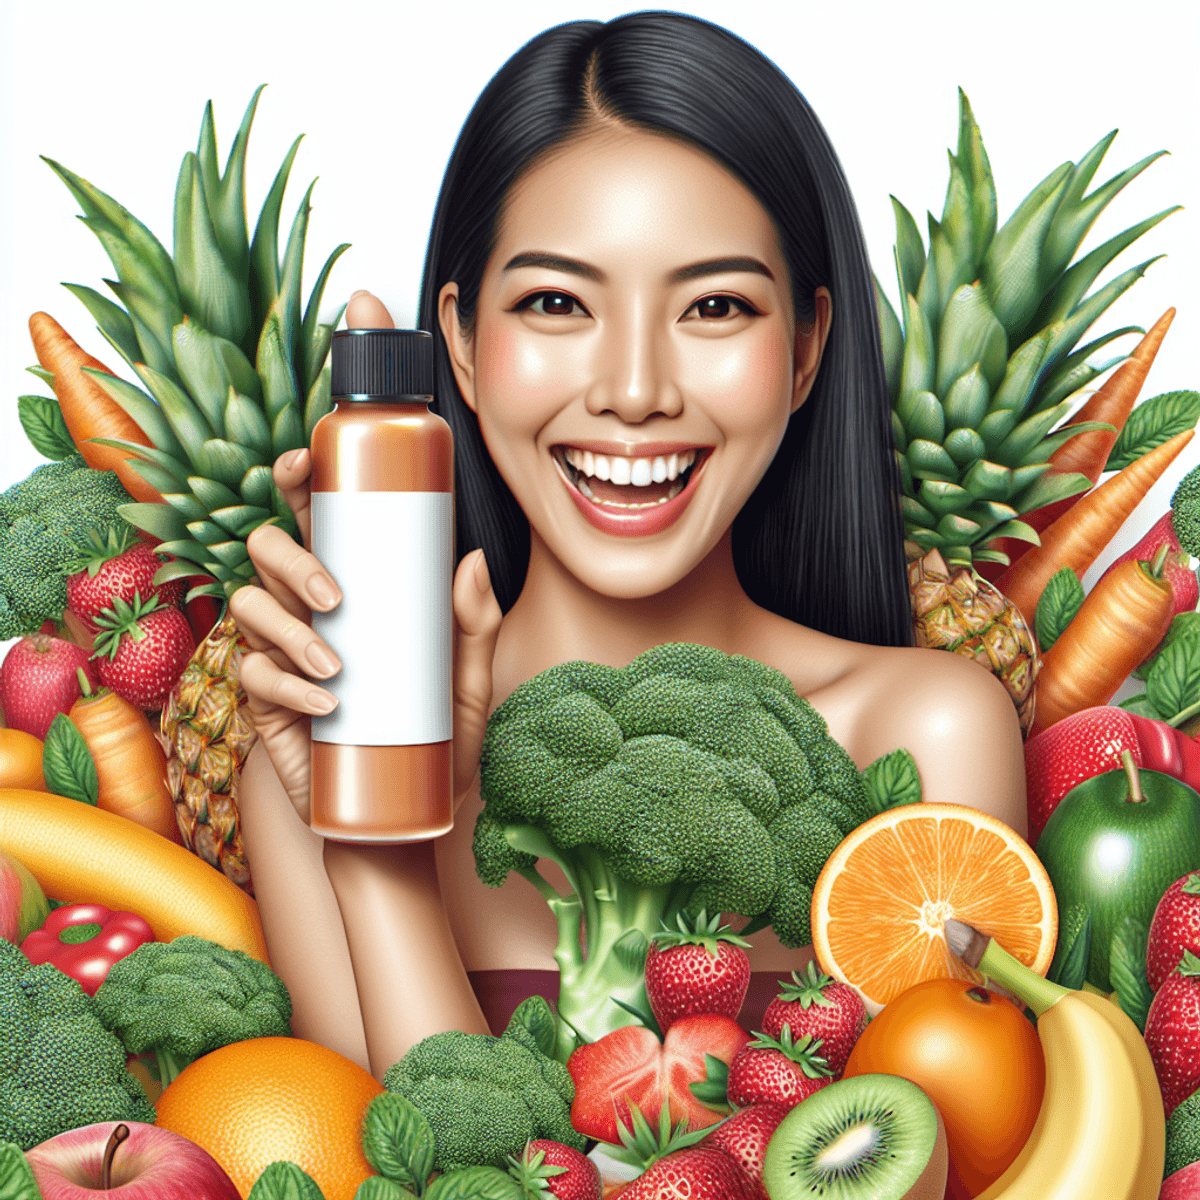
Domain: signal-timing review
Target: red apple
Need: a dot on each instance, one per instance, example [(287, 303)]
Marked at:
[(38, 681), (23, 906), (1183, 1184), (150, 1164)]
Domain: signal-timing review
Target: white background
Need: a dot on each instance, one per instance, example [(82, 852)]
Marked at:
[(115, 91)]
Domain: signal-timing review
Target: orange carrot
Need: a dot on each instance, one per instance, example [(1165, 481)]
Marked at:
[(1087, 453), (88, 411), (1119, 623), (130, 766), (1079, 536)]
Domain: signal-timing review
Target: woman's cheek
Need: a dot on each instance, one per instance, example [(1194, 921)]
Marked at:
[(745, 384), (522, 380)]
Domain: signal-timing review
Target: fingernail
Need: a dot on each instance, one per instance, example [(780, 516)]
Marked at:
[(322, 702), (322, 660), (360, 292), (483, 579), (321, 592), (293, 459)]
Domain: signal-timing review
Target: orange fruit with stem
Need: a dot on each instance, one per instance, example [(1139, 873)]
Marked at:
[(251, 1103), (882, 899)]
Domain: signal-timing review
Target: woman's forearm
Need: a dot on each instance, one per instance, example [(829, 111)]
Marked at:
[(300, 916), (411, 980)]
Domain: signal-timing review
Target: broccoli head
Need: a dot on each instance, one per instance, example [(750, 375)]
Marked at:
[(59, 1067), (179, 1000), (1185, 512), (43, 521), (486, 1097), (689, 780)]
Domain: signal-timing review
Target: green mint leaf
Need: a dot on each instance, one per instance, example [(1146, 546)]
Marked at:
[(475, 1183), (1058, 606), (1140, 706), (1185, 625), (67, 762), (16, 1179), (1151, 423), (536, 1016), (42, 420), (1174, 682), (378, 1188), (892, 781), (397, 1140), (1127, 966), (284, 1180), (1069, 968)]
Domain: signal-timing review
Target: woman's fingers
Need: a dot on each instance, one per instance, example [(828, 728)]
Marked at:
[(264, 620), (291, 472), (268, 686), (477, 618), (289, 572), (367, 312)]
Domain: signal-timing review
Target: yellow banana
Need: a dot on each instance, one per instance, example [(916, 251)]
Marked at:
[(1100, 1130)]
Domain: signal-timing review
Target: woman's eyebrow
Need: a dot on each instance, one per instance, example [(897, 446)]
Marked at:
[(555, 262), (717, 266)]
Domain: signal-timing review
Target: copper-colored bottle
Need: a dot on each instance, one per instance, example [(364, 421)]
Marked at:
[(382, 523)]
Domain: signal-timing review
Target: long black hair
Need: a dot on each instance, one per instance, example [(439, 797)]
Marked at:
[(820, 541)]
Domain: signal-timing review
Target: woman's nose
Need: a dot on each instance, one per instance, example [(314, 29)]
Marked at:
[(634, 378)]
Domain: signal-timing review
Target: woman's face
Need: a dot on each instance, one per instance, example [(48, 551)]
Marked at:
[(634, 357)]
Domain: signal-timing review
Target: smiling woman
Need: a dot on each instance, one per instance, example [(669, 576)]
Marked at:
[(656, 344)]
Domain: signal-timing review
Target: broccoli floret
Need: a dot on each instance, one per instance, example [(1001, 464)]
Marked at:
[(43, 521), (181, 999), (59, 1067), (1185, 512), (688, 780), (486, 1097)]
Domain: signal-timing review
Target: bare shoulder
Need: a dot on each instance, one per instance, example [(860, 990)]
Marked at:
[(954, 717)]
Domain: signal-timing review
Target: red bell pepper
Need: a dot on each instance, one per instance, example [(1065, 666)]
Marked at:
[(84, 940)]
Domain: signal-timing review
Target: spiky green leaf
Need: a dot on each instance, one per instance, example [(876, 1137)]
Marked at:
[(1022, 373), (187, 421), (927, 460), (917, 368), (923, 417), (891, 337), (970, 334), (988, 480), (965, 446), (319, 402), (1050, 489), (1028, 434), (264, 249), (112, 320), (160, 520), (967, 399), (941, 498), (228, 203), (175, 470), (257, 487), (245, 423), (315, 338), (288, 431), (910, 250), (140, 409), (230, 462)]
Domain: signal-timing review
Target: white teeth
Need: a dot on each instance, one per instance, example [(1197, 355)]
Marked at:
[(602, 466), (622, 470), (641, 474), (659, 474), (589, 463), (673, 466)]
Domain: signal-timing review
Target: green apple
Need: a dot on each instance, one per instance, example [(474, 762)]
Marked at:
[(23, 904), (1115, 843)]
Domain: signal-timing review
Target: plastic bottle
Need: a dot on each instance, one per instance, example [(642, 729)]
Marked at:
[(383, 525)]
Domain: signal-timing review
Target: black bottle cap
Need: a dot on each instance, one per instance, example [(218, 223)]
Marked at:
[(382, 364)]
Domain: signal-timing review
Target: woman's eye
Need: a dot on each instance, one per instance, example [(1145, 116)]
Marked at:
[(552, 304), (718, 308)]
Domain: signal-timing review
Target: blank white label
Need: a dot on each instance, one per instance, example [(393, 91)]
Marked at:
[(390, 553)]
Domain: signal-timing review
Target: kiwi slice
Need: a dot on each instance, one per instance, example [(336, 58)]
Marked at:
[(871, 1137)]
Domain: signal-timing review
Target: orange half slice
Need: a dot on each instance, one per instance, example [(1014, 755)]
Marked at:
[(881, 901)]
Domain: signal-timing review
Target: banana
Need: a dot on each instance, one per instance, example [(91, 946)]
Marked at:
[(1100, 1130)]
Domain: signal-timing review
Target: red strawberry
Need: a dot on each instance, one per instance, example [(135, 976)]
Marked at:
[(1174, 928), (777, 1071), (702, 968), (1175, 572), (1173, 1032), (38, 681), (830, 1012), (744, 1138), (696, 1174), (630, 1067), (142, 649), (116, 567), (551, 1169)]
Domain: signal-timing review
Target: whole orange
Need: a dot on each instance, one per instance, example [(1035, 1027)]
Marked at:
[(21, 761), (977, 1058), (253, 1102)]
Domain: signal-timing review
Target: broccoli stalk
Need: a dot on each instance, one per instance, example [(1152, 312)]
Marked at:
[(689, 780)]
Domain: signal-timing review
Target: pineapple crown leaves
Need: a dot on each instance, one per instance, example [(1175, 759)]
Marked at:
[(643, 1144), (532, 1173), (122, 618), (975, 424), (803, 1053), (233, 366), (96, 548), (698, 931), (807, 989)]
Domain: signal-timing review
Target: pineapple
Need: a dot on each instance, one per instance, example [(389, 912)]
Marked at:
[(234, 375), (982, 376)]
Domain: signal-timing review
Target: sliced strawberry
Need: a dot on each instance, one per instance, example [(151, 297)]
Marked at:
[(630, 1067), (1174, 928)]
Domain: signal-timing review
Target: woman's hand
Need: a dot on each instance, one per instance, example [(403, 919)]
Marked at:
[(286, 655)]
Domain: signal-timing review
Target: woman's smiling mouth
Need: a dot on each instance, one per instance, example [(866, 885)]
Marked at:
[(632, 496)]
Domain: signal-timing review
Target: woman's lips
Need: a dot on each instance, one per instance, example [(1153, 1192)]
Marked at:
[(630, 496)]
